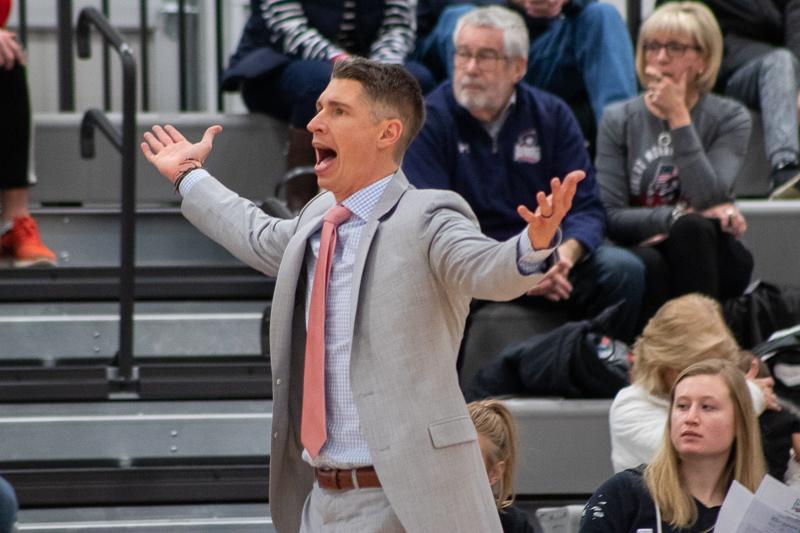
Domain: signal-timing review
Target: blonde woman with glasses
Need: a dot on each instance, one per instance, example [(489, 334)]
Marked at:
[(667, 159)]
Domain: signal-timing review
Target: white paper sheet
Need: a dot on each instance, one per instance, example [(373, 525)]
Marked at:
[(774, 508)]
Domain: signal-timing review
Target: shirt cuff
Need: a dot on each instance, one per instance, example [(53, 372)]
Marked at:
[(190, 179), (530, 261)]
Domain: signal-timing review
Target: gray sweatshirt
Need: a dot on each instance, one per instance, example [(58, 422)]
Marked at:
[(644, 168)]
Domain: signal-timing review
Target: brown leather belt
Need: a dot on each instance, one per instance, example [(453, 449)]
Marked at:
[(357, 478)]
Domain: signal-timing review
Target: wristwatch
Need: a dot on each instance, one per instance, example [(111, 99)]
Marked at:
[(680, 209)]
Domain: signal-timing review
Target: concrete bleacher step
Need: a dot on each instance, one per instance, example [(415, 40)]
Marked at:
[(124, 432), (89, 237), (55, 333), (136, 452), (248, 156), (230, 518), (173, 260)]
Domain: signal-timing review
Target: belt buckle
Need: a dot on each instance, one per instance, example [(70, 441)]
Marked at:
[(354, 478)]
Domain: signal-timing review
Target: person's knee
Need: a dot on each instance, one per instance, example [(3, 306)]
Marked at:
[(619, 270), (600, 13), (8, 506), (782, 61), (451, 14), (693, 228), (423, 76), (307, 78)]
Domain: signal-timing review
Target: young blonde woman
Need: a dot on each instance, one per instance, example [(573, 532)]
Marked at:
[(711, 438), (497, 437), (686, 330)]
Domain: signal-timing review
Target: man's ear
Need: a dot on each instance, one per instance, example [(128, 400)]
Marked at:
[(519, 66), (391, 133)]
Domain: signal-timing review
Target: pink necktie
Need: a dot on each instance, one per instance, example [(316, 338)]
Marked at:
[(312, 425)]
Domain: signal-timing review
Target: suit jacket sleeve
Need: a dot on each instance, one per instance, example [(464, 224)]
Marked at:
[(238, 225), (467, 261)]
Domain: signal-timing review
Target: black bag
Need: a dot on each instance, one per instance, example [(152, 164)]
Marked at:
[(782, 355), (573, 361), (759, 312)]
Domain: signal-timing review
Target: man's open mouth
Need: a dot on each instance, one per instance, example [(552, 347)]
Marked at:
[(325, 157)]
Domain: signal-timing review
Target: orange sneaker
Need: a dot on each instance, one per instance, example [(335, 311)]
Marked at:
[(24, 245)]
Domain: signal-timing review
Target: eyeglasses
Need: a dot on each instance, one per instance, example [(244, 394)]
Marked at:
[(673, 49), (486, 60)]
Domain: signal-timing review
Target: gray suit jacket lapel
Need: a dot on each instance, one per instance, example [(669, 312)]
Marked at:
[(286, 291), (397, 186)]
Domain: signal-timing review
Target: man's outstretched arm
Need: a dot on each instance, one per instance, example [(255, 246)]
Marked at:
[(172, 154), (228, 219)]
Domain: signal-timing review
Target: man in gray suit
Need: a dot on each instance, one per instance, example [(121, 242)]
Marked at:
[(401, 452)]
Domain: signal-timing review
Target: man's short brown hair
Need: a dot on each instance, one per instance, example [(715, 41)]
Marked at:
[(392, 88)]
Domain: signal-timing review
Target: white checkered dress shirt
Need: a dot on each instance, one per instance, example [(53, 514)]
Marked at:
[(346, 446)]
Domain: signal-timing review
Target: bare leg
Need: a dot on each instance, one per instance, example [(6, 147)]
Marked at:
[(14, 203)]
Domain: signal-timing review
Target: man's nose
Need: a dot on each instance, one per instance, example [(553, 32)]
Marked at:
[(315, 124)]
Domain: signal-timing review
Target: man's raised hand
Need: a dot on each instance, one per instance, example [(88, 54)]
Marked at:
[(551, 209), (172, 155)]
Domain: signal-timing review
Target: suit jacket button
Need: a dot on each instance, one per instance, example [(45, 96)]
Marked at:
[(278, 381), (275, 435)]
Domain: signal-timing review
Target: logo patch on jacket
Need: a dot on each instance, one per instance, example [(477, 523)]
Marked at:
[(527, 149)]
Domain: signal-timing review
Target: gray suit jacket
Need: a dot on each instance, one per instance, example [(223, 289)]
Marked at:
[(421, 258)]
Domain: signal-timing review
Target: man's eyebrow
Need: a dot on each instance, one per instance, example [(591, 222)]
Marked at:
[(333, 103)]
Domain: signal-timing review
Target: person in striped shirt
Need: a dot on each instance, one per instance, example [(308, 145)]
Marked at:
[(285, 58)]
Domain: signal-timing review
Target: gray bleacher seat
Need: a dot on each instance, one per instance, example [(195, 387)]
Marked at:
[(772, 236), (564, 445), (248, 157), (498, 325), (753, 181)]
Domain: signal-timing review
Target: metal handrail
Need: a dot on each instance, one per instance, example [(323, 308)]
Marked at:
[(125, 143), (66, 67)]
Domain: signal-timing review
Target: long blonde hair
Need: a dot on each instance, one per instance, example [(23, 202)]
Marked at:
[(687, 18), (493, 420), (745, 463), (685, 330)]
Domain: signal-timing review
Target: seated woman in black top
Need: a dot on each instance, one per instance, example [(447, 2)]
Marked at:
[(497, 437), (711, 438)]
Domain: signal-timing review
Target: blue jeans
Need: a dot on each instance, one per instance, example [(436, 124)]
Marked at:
[(8, 506), (610, 275), (589, 54), (290, 93), (770, 83)]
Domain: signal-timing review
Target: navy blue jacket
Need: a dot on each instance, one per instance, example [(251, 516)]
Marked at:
[(539, 140), (256, 55)]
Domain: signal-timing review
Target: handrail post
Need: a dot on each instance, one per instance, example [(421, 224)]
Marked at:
[(125, 143), (66, 67)]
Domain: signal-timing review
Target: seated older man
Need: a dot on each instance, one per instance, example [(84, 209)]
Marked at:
[(496, 141)]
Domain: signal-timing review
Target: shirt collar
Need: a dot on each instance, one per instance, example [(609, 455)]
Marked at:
[(493, 127), (362, 202)]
